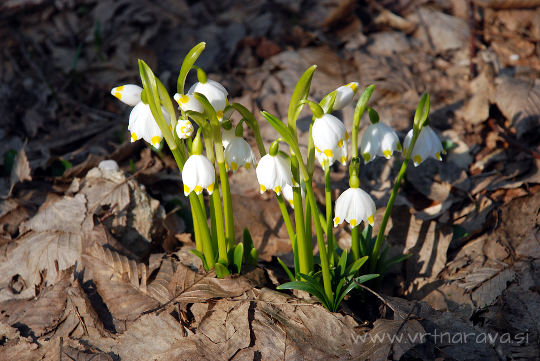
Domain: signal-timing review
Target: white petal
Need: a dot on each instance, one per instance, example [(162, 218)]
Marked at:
[(214, 94), (188, 102), (129, 94), (327, 131), (237, 153)]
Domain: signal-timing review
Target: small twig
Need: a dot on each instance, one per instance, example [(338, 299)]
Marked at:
[(379, 297)]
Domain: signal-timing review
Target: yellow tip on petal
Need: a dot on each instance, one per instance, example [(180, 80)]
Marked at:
[(336, 221), (219, 114), (186, 190), (277, 190), (438, 155), (340, 143), (227, 101), (346, 135), (353, 222), (262, 188), (198, 189), (118, 95), (210, 188), (248, 165), (398, 147), (387, 153), (328, 153), (234, 166), (133, 137), (291, 202), (353, 86), (404, 151), (156, 140), (183, 99), (371, 220), (417, 159), (366, 156), (343, 160)]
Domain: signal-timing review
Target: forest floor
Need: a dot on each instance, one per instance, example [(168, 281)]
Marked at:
[(95, 264)]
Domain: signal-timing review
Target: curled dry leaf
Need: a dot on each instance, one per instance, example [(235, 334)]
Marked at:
[(20, 171)]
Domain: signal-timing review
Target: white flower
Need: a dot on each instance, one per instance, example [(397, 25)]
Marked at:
[(188, 102), (354, 206), (379, 140), (345, 95), (340, 154), (214, 92), (184, 128), (129, 94), (142, 124), (238, 153), (328, 134), (198, 173), (273, 172), (227, 136), (427, 145)]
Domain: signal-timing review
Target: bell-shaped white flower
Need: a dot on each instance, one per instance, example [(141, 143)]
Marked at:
[(273, 172), (354, 206), (214, 92), (198, 173), (184, 129), (345, 94), (142, 124), (238, 153), (340, 154), (188, 102), (328, 134), (379, 140), (129, 94), (226, 136), (427, 145)]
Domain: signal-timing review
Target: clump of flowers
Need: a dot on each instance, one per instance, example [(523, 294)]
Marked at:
[(218, 147)]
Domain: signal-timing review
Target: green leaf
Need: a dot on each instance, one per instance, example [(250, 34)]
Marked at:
[(365, 278), (253, 259), (300, 93), (342, 263), (362, 104), (394, 260), (286, 269), (304, 286), (238, 256), (166, 102), (327, 103), (353, 268), (187, 64), (279, 127), (251, 255), (201, 256), (422, 111), (208, 108), (221, 270)]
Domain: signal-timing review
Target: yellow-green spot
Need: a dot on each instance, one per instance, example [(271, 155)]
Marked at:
[(263, 188), (210, 188), (277, 190), (186, 189), (336, 220), (417, 159), (387, 153), (183, 99), (438, 155), (198, 189), (366, 156), (219, 114), (234, 166), (248, 165), (340, 143), (343, 160), (398, 147), (156, 140), (371, 220), (328, 153), (353, 86), (353, 222)]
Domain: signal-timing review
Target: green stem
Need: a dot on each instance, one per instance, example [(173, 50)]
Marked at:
[(374, 259), (355, 243), (328, 200), (359, 110), (307, 222), (221, 241), (197, 232), (305, 252), (205, 232), (327, 281)]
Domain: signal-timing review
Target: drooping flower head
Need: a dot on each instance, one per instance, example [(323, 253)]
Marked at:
[(198, 172), (345, 95), (274, 171), (329, 133), (187, 102), (142, 124), (354, 205), (184, 128), (427, 146), (238, 152), (340, 154), (378, 139), (214, 92)]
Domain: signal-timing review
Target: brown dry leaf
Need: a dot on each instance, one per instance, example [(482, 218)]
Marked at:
[(121, 282), (487, 284), (21, 170), (40, 316), (445, 32), (406, 334), (519, 101)]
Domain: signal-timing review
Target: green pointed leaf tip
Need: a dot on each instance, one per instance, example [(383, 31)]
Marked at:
[(238, 255), (187, 64), (300, 92), (286, 269), (221, 270), (327, 103), (362, 103), (422, 111)]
